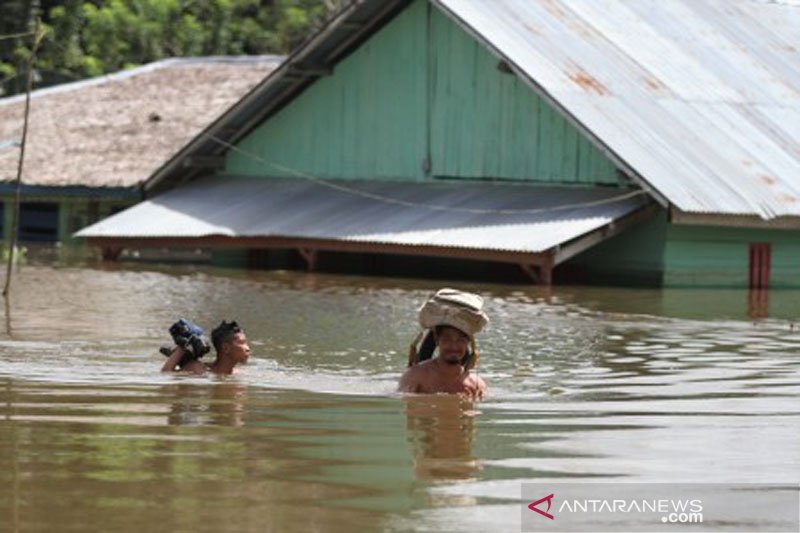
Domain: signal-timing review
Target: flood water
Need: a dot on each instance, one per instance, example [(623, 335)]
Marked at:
[(585, 384)]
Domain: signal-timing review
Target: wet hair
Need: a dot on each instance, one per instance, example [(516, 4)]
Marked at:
[(224, 333)]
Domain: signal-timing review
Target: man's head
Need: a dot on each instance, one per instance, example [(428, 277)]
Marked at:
[(453, 344), (230, 342)]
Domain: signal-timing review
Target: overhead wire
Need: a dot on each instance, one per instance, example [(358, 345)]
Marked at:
[(434, 207)]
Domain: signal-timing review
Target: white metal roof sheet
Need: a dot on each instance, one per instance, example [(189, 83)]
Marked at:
[(699, 99), (485, 216)]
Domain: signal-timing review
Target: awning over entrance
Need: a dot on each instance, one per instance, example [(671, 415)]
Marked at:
[(518, 223)]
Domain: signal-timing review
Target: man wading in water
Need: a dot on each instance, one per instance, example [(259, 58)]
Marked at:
[(229, 342), (451, 320)]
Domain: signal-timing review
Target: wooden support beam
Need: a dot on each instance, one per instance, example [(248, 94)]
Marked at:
[(204, 161), (331, 245), (576, 246), (309, 255), (309, 71), (530, 271), (111, 253), (541, 273), (546, 272)]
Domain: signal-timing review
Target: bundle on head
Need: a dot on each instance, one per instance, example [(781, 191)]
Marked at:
[(448, 307)]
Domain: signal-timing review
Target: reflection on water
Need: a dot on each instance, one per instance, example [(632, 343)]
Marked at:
[(221, 405), (441, 430), (584, 384)]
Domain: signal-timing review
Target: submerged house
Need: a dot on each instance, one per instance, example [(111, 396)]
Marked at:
[(619, 141), (91, 144)]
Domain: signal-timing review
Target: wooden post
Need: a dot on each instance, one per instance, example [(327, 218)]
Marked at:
[(310, 257), (542, 274), (111, 253), (546, 272), (530, 272)]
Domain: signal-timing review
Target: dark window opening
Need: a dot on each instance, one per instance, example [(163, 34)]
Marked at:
[(38, 222), (93, 211), (760, 265)]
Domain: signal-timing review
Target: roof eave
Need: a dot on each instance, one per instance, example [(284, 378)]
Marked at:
[(330, 245), (684, 218)]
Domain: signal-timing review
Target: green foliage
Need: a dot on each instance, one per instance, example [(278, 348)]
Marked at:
[(92, 37), (20, 255)]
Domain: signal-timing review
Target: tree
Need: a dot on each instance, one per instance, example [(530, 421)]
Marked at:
[(89, 38)]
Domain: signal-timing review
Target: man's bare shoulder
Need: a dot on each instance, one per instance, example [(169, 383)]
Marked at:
[(414, 376), (195, 367), (420, 369)]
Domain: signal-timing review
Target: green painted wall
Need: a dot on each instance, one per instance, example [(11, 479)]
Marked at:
[(486, 123), (706, 256), (419, 91), (657, 253), (635, 257), (367, 120)]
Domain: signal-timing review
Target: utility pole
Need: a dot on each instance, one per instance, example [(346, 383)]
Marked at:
[(38, 34)]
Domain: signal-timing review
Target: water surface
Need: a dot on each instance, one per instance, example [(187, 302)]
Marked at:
[(586, 384)]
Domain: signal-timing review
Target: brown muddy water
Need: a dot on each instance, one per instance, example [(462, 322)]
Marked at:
[(585, 384)]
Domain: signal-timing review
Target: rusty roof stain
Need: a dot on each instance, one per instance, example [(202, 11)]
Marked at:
[(587, 82)]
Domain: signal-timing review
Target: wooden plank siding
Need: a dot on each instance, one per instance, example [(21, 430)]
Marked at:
[(635, 257), (365, 121), (707, 256), (486, 123), (421, 99)]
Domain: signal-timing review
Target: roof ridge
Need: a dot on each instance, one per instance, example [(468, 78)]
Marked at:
[(143, 69)]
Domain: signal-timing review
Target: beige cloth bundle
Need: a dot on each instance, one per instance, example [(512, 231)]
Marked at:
[(450, 307)]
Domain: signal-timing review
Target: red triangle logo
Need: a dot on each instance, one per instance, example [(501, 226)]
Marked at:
[(549, 500)]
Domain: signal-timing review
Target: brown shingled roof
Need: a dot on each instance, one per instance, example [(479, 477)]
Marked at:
[(114, 131)]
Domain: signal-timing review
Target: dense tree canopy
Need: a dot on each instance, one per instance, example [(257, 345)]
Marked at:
[(87, 38)]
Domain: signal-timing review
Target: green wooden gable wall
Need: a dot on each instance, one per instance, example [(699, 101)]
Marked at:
[(366, 120), (487, 123), (420, 99)]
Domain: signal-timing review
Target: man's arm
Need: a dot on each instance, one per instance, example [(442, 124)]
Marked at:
[(409, 381), (174, 358), (476, 387)]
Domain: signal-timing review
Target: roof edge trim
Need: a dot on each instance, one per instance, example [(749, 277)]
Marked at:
[(684, 218)]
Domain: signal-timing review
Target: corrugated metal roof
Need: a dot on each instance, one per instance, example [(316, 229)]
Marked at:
[(700, 100), (485, 216)]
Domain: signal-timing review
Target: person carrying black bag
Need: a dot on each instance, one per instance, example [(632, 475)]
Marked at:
[(230, 344)]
